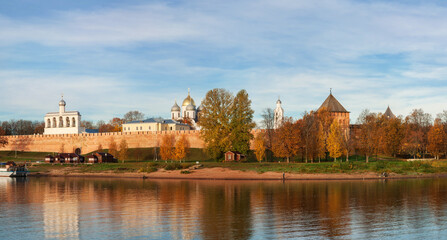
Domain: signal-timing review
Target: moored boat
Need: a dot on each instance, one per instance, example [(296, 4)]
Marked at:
[(10, 169)]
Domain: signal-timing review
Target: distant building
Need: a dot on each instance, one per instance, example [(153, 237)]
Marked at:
[(63, 122), (389, 114), (336, 110), (154, 124), (100, 157), (278, 115), (231, 156), (189, 112)]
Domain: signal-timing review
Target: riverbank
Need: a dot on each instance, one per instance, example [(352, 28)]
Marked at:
[(222, 173)]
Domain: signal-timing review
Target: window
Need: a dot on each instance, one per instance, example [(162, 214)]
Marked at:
[(171, 128), (149, 127), (141, 128)]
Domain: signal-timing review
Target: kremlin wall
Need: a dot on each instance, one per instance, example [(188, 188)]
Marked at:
[(89, 142)]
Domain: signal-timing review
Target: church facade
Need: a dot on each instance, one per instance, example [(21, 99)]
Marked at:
[(63, 122)]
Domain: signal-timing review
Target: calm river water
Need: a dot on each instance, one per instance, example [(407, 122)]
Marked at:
[(77, 208)]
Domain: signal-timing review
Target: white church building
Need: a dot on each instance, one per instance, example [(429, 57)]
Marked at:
[(63, 122), (278, 117)]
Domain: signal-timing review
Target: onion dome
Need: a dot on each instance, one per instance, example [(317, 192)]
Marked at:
[(62, 102), (188, 100), (175, 108), (190, 107)]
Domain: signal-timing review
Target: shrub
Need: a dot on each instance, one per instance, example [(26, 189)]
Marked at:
[(185, 172), (380, 165), (173, 166)]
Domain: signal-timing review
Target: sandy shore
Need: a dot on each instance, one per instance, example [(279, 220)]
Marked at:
[(228, 174)]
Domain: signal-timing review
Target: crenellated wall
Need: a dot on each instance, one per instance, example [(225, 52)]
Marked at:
[(89, 142)]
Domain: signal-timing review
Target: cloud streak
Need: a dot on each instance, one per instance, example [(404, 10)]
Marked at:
[(371, 53)]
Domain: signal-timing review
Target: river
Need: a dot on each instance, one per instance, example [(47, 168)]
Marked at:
[(90, 208)]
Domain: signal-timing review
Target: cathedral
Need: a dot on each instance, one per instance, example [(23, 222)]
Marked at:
[(63, 122), (188, 112)]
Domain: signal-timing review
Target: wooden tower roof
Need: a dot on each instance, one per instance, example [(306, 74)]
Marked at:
[(388, 113), (332, 104)]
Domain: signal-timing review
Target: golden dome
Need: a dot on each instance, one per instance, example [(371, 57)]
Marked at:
[(188, 100)]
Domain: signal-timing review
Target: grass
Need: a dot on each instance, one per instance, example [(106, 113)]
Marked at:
[(142, 161)]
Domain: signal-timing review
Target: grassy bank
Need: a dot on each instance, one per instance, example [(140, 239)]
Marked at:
[(353, 167), (142, 160)]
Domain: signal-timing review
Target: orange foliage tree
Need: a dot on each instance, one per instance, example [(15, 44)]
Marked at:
[(181, 148), (259, 145), (167, 147), (287, 140), (436, 139)]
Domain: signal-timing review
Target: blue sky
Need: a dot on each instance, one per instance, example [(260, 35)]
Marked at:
[(110, 57)]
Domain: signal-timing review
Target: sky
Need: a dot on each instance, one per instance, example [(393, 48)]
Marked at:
[(108, 57)]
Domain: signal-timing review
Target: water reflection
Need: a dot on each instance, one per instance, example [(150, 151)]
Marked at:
[(73, 208)]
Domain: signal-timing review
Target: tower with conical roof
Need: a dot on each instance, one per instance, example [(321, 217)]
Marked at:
[(336, 110), (278, 117), (388, 113)]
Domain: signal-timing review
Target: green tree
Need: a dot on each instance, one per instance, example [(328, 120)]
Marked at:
[(335, 141), (241, 122), (215, 121)]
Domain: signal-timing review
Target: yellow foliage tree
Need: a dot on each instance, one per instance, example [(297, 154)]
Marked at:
[(113, 149), (181, 148), (259, 145), (123, 152), (167, 147), (335, 141)]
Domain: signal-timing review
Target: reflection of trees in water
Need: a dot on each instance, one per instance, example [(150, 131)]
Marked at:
[(226, 212), (229, 210)]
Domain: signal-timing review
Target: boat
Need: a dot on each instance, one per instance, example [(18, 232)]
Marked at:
[(10, 169)]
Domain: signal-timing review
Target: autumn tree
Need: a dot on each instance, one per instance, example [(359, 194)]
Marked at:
[(123, 151), (369, 134), (133, 116), (181, 148), (167, 147), (267, 123), (113, 148), (87, 124), (100, 148), (320, 148), (347, 144), (393, 134), (287, 140), (259, 146), (417, 126), (436, 139), (309, 135), (215, 121), (241, 122), (3, 140), (335, 141)]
